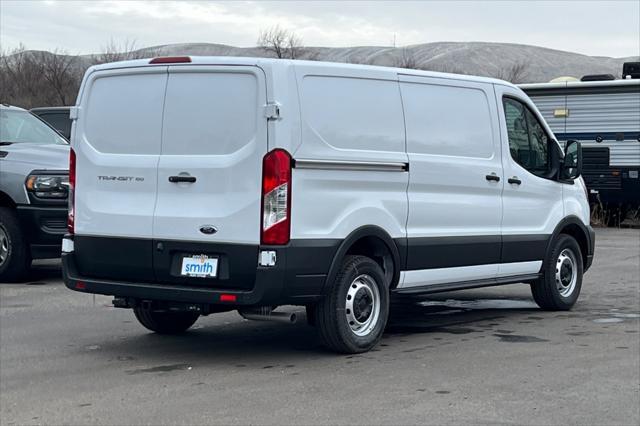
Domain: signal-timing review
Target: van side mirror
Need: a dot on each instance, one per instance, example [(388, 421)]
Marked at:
[(572, 163)]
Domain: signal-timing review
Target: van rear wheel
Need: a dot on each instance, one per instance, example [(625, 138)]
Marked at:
[(561, 281), (165, 322), (352, 316)]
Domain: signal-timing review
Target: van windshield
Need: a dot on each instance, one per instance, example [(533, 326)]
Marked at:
[(23, 127)]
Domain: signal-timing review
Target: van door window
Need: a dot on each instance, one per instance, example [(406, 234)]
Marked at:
[(528, 142)]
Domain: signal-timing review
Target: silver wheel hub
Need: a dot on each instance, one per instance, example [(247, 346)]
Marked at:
[(362, 307), (4, 246), (566, 273)]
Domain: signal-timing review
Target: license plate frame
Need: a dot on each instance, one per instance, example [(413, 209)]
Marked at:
[(199, 266)]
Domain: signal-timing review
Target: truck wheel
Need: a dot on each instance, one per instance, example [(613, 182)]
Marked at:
[(15, 258), (163, 322), (559, 287), (352, 316)]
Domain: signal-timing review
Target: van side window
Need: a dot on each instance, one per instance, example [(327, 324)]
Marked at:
[(528, 142)]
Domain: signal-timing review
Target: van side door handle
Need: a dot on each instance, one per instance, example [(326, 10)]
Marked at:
[(493, 177), (514, 180), (177, 179)]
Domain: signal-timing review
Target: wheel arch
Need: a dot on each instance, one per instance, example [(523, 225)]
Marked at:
[(6, 200), (573, 226), (374, 242)]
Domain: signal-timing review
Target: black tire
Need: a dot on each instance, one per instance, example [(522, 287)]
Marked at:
[(546, 291), (331, 313), (16, 255), (165, 322)]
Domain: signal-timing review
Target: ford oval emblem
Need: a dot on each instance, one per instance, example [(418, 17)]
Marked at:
[(208, 229)]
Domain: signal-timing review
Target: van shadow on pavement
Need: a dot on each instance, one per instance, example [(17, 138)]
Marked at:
[(240, 343)]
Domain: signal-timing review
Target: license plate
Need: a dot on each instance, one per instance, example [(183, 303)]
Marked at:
[(200, 266)]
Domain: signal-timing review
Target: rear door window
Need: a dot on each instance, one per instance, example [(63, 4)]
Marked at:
[(124, 113), (209, 113)]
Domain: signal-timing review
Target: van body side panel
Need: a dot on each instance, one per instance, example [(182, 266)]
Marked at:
[(352, 126), (453, 144)]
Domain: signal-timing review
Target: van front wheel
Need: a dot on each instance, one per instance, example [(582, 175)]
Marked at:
[(559, 287), (352, 316), (164, 322)]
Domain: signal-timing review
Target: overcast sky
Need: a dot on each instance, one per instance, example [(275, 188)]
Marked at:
[(604, 28)]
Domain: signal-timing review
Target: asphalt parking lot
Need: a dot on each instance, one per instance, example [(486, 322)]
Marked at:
[(486, 356)]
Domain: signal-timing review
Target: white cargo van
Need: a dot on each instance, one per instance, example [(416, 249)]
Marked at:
[(203, 184)]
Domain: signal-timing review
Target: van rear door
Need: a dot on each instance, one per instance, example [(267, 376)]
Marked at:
[(117, 144), (214, 138)]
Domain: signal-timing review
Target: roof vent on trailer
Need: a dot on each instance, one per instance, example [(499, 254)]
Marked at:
[(598, 77), (631, 70)]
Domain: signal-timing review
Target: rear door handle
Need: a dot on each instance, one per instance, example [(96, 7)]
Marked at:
[(493, 177), (514, 180), (177, 179)]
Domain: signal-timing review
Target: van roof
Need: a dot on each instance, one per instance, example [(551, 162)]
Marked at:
[(285, 63)]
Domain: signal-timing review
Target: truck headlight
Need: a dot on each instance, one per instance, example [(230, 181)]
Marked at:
[(48, 186)]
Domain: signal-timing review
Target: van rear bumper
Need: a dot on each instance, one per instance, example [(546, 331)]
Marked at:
[(268, 288), (299, 283)]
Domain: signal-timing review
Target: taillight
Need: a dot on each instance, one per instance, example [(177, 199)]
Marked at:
[(72, 192), (276, 198)]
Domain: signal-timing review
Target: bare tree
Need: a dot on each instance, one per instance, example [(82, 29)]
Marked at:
[(407, 59), (60, 74), (39, 78), (516, 73), (124, 51), (18, 72), (280, 42), (294, 45), (35, 78)]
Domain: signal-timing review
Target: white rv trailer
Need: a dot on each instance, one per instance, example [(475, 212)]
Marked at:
[(605, 117)]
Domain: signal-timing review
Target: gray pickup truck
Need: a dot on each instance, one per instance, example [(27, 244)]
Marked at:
[(34, 164)]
